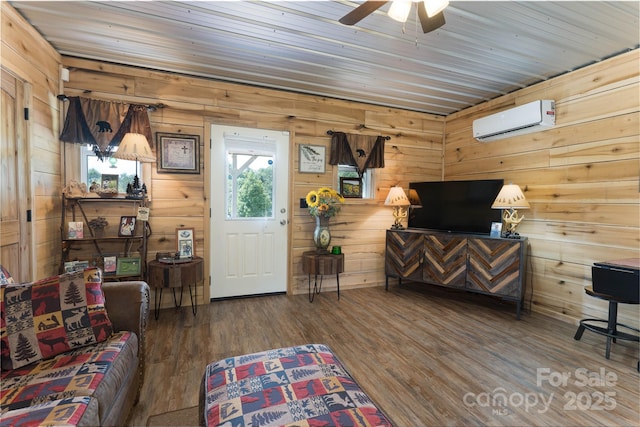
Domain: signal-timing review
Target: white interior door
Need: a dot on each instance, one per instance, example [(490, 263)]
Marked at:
[(249, 188)]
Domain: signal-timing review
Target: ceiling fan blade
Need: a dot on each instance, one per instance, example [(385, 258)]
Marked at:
[(362, 11), (429, 24)]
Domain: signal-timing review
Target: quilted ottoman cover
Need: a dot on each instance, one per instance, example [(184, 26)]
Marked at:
[(295, 386)]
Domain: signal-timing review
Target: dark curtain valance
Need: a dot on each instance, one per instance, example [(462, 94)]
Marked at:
[(103, 124), (361, 151)]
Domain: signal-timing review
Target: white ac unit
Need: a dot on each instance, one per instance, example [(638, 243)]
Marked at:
[(532, 117)]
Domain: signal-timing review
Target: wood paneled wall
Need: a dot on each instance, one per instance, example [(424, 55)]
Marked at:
[(191, 105), (581, 179), (26, 55)]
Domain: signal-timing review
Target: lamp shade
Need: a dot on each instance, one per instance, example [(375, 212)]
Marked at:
[(510, 196), (135, 146), (397, 197)]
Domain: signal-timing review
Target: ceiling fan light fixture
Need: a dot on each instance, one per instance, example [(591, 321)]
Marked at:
[(435, 6), (399, 10)]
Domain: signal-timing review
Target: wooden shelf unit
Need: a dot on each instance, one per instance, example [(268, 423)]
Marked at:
[(94, 248)]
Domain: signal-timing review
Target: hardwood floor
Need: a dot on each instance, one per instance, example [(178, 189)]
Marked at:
[(427, 356)]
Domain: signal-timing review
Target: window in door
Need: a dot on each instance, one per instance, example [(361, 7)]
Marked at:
[(250, 189)]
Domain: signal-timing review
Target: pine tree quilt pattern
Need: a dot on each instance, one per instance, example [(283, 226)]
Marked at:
[(79, 372), (63, 412), (296, 386), (42, 319)]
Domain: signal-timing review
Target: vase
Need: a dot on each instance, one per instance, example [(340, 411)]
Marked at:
[(98, 232), (322, 235)]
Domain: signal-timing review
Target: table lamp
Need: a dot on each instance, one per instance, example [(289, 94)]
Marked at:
[(510, 198), (135, 146), (399, 200)]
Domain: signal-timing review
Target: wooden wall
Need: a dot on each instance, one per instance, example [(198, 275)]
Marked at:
[(191, 105), (581, 179), (33, 61)]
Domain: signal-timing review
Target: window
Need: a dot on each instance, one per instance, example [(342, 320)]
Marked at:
[(347, 171), (250, 192), (92, 169)]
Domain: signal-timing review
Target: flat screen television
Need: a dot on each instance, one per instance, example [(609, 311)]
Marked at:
[(456, 206)]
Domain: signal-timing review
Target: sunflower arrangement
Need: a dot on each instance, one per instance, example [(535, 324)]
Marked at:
[(324, 202)]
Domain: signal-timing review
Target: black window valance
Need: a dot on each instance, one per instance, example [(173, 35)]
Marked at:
[(362, 151), (103, 124)]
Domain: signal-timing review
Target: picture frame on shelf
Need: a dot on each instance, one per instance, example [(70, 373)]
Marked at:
[(178, 153), (110, 264), (127, 226), (128, 266), (496, 229), (311, 158), (185, 242), (71, 266), (75, 230), (109, 183), (351, 187)]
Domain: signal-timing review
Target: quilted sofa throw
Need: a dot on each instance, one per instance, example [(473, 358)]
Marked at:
[(103, 124)]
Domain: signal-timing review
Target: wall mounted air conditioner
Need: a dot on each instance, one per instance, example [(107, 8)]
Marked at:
[(532, 117)]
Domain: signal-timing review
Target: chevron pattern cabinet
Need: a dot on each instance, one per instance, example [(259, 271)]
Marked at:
[(445, 259), (487, 265), (403, 257)]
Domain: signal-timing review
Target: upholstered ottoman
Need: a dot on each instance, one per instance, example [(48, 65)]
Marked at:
[(297, 386)]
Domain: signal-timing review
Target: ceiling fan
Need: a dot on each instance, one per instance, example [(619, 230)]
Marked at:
[(429, 12)]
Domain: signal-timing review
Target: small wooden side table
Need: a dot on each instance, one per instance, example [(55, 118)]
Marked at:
[(320, 264), (175, 275)]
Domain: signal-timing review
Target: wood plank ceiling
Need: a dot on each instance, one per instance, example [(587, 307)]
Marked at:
[(484, 50)]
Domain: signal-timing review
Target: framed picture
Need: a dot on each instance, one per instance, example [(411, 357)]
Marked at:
[(75, 230), (128, 266), (110, 264), (185, 242), (109, 182), (127, 226), (311, 158), (178, 153), (351, 187), (496, 229)]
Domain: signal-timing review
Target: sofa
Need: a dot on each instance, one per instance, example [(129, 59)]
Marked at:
[(72, 350)]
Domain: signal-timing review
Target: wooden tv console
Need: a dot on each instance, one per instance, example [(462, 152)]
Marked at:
[(482, 264)]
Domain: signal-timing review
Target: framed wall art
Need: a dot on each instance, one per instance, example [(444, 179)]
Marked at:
[(127, 226), (178, 153), (311, 158), (351, 187), (185, 242)]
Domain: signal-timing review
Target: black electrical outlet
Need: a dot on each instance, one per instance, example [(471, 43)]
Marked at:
[(303, 203)]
